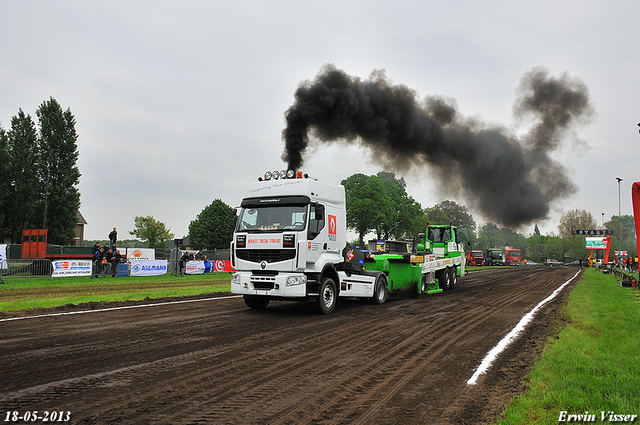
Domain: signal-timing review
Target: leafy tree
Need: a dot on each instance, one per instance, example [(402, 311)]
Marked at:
[(367, 204), (211, 228), (624, 232), (623, 226), (58, 172), (380, 204), (575, 220), (447, 212), (22, 193), (4, 180), (405, 217), (436, 216), (150, 230), (458, 214)]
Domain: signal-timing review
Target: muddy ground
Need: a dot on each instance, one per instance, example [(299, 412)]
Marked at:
[(214, 361)]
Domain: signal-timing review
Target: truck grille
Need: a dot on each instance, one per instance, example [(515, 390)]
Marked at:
[(268, 255), (263, 282)]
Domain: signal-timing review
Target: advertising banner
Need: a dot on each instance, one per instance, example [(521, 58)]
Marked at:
[(3, 256), (66, 268), (596, 243), (194, 267), (223, 266), (148, 267), (200, 267), (138, 253)]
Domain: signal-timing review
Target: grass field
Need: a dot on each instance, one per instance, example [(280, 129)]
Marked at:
[(593, 368), (42, 292)]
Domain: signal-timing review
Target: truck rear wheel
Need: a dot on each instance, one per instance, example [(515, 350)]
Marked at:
[(328, 296), (453, 280), (380, 290), (444, 279), (256, 303)]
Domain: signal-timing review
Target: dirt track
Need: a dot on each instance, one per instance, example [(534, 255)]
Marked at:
[(216, 361)]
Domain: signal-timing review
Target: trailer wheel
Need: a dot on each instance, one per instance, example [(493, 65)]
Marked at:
[(380, 291), (256, 303), (328, 296), (453, 281)]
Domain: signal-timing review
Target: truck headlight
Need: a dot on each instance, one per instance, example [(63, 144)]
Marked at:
[(296, 280), (235, 279)]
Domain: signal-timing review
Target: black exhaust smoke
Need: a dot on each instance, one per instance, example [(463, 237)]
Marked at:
[(511, 180)]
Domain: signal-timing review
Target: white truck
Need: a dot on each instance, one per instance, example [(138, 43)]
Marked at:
[(289, 243)]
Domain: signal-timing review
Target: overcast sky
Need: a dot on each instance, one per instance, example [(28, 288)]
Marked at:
[(181, 103)]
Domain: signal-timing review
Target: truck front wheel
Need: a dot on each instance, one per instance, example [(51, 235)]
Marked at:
[(256, 303), (328, 296)]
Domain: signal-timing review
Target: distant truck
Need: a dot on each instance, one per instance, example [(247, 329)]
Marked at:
[(494, 257), (512, 257), (289, 243), (475, 258)]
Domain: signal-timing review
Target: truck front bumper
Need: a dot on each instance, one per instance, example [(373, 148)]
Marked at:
[(282, 285)]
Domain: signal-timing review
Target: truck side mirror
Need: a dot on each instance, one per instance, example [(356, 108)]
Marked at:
[(234, 220)]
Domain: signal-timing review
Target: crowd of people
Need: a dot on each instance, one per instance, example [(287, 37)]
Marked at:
[(106, 258), (189, 256)]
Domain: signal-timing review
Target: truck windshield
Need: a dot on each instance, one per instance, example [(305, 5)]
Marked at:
[(272, 218), (439, 234)]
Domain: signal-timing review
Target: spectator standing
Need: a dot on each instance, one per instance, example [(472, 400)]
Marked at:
[(182, 262), (97, 263), (113, 236), (199, 256)]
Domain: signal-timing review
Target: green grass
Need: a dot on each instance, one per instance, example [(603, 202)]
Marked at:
[(18, 294), (593, 365)]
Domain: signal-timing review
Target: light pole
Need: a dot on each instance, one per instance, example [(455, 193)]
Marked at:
[(619, 222), (602, 220), (46, 195)]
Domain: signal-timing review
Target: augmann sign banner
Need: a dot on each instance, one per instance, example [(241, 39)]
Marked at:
[(596, 243)]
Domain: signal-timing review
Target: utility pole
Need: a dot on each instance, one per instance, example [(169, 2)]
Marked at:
[(619, 223)]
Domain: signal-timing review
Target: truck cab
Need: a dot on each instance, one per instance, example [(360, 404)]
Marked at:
[(288, 244)]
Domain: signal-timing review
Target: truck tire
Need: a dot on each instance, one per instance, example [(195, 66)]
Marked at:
[(256, 303), (424, 287), (328, 298), (453, 280), (380, 290), (444, 279)]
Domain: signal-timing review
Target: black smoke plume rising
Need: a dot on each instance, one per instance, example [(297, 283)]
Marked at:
[(511, 180)]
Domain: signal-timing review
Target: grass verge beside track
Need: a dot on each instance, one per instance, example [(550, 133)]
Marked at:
[(592, 366), (42, 292)]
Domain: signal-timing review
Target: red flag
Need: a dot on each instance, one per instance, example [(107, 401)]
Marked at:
[(635, 195)]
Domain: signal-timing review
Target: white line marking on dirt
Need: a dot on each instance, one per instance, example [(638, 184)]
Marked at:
[(511, 336), (118, 308)]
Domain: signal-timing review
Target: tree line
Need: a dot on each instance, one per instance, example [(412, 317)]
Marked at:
[(39, 175), (379, 205)]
